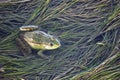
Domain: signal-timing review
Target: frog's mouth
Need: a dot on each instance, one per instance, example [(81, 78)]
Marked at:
[(48, 47)]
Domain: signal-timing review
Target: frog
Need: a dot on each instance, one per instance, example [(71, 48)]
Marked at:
[(32, 38)]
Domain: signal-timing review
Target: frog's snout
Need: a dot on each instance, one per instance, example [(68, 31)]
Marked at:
[(53, 45)]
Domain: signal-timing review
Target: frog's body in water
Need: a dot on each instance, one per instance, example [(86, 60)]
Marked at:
[(39, 39)]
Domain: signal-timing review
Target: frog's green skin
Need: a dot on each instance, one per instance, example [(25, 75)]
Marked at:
[(38, 39)]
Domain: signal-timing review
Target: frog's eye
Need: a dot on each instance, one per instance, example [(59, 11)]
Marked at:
[(51, 44)]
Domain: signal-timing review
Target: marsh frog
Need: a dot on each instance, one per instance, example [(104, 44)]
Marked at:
[(30, 37)]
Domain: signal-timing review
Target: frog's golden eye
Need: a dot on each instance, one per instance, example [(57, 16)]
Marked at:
[(51, 44)]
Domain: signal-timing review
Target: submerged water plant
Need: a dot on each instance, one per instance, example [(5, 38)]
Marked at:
[(89, 31)]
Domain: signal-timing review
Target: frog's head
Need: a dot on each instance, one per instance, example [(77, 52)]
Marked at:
[(53, 43)]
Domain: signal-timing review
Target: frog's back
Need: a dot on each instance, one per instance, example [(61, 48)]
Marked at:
[(35, 36)]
